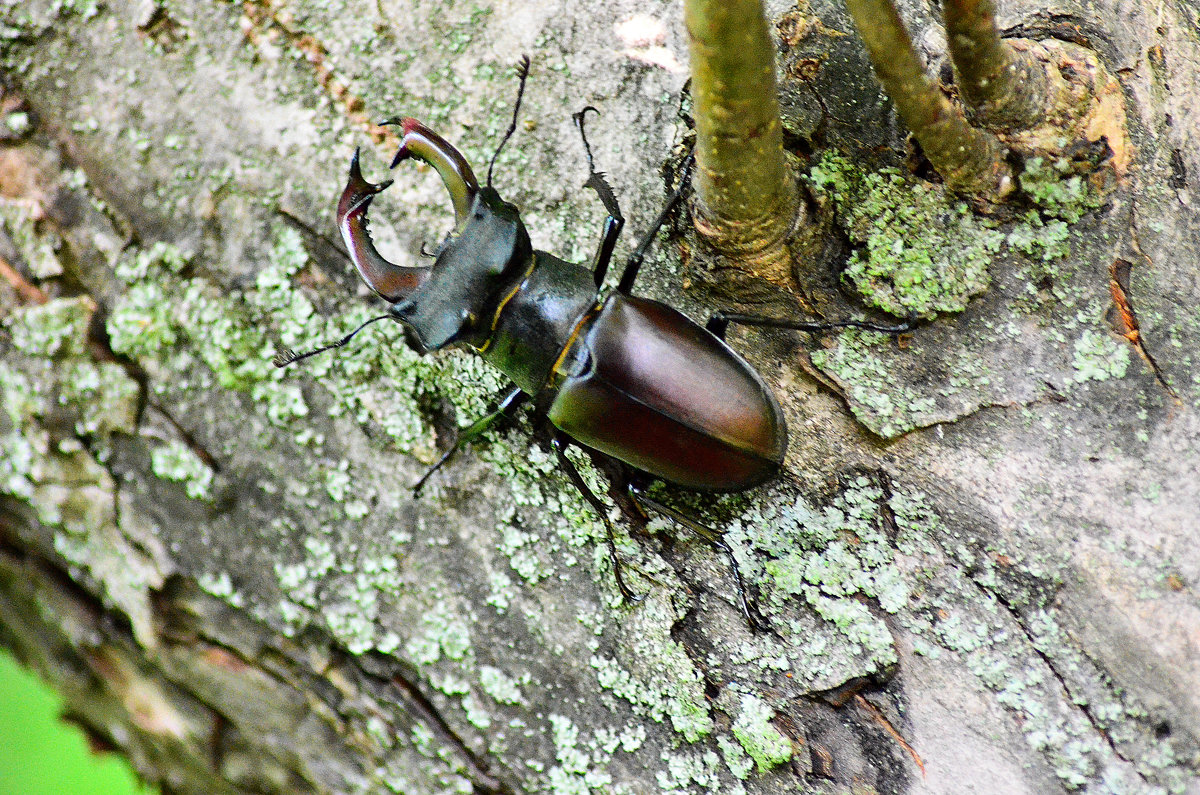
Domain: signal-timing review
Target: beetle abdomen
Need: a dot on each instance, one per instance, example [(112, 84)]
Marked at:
[(665, 396)]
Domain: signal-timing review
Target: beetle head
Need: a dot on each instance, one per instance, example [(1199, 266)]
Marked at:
[(453, 299), (474, 268)]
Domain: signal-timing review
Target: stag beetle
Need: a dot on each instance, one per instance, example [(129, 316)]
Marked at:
[(633, 381)]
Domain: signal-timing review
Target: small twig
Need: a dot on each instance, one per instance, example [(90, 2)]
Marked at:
[(747, 198), (1004, 85), (887, 726), (29, 292), (1125, 322), (970, 160)]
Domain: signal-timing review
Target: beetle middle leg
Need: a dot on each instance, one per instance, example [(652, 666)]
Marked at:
[(749, 610), (560, 442), (507, 405)]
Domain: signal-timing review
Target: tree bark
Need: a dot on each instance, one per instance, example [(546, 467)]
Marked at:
[(979, 563)]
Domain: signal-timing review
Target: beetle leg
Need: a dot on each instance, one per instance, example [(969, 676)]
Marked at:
[(508, 404), (719, 322), (749, 610), (634, 263), (615, 222), (559, 443)]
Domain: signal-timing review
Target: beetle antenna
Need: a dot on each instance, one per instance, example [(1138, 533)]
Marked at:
[(522, 73), (289, 356)]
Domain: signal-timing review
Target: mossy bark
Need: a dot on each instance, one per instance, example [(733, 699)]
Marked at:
[(980, 554)]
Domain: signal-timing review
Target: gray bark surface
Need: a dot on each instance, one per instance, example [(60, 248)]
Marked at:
[(979, 563)]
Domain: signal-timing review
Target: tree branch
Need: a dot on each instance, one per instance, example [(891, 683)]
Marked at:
[(1004, 86), (970, 160), (746, 194)]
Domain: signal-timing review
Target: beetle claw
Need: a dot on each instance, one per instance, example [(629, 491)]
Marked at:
[(627, 593), (406, 125), (629, 596), (392, 281), (419, 142)]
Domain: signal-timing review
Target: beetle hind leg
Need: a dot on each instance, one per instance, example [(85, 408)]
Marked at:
[(749, 608), (719, 323)]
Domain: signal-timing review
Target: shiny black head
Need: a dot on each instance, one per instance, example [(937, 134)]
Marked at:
[(475, 268)]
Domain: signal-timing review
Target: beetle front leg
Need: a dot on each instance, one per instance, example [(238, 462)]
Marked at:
[(508, 404), (560, 443), (615, 222), (749, 610)]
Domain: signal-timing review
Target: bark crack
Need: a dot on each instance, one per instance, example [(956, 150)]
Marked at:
[(1071, 692), (420, 706), (266, 21)]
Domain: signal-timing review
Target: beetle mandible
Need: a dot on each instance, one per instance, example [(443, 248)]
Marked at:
[(627, 378)]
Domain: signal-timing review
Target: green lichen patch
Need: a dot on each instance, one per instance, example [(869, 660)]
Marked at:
[(923, 251), (736, 759), (346, 591), (1041, 241), (220, 585), (1008, 635), (761, 741), (172, 323), (987, 643), (689, 771), (660, 680), (831, 558), (864, 363), (57, 329), (575, 772), (500, 686), (177, 462), (571, 531), (37, 246), (893, 389), (100, 395), (162, 309), (583, 755), (49, 385), (1052, 186), (1099, 357), (826, 574)]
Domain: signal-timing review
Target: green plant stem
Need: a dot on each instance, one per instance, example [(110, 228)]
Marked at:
[(747, 199), (1003, 85), (970, 160)]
